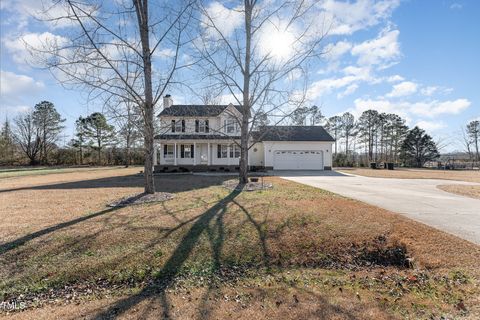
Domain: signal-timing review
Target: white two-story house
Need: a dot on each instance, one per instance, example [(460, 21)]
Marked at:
[(202, 138)]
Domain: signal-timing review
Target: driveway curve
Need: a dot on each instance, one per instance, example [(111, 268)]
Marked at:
[(418, 199)]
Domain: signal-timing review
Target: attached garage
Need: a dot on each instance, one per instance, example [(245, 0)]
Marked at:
[(298, 160), (294, 148)]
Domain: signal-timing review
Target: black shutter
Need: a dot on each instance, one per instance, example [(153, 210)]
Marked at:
[(196, 125), (231, 151), (183, 125), (182, 151), (193, 151), (164, 150), (207, 128), (173, 125), (219, 151)]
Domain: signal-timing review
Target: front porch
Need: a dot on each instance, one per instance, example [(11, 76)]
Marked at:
[(196, 156)]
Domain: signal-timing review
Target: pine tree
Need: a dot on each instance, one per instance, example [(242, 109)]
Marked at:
[(7, 144), (418, 148), (49, 122), (100, 133)]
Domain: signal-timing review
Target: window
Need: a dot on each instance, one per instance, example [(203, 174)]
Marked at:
[(201, 126), (234, 151), (230, 125), (222, 151), (168, 151), (178, 125), (186, 151)]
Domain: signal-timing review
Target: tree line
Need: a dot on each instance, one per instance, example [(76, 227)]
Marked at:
[(33, 138), (373, 137)]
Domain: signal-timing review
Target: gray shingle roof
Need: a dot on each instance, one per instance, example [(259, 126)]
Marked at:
[(292, 133), (194, 110), (168, 136)]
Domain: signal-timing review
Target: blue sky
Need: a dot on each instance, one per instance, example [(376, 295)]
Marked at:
[(419, 59)]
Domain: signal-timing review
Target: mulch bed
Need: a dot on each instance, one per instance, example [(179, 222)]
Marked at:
[(250, 186), (142, 198)]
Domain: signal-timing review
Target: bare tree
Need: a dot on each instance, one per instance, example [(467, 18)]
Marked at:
[(347, 126), (473, 133), (110, 51), (241, 54), (28, 137)]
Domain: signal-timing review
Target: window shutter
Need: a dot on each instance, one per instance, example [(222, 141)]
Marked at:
[(207, 128), (192, 152), (219, 151), (164, 150), (196, 125), (183, 125), (232, 148), (182, 151), (173, 125)]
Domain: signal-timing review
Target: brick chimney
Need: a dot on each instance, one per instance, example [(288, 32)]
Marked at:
[(167, 101)]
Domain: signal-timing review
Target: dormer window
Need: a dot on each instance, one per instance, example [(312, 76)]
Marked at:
[(202, 126), (229, 125), (178, 125)]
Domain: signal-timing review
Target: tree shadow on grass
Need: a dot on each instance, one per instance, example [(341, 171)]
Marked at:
[(21, 241), (179, 256), (163, 183)]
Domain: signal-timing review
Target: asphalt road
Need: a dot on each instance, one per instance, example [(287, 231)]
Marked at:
[(418, 199)]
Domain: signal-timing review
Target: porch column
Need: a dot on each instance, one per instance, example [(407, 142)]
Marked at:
[(209, 161), (154, 155), (194, 153), (228, 154), (159, 160), (174, 153)]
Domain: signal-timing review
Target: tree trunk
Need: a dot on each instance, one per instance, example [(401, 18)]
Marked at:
[(243, 173), (142, 13)]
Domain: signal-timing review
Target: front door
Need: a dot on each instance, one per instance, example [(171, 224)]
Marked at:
[(203, 153)]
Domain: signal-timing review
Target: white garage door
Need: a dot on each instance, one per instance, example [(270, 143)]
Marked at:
[(298, 160)]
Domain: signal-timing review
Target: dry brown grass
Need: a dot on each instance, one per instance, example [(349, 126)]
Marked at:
[(468, 191), (402, 173), (56, 231)]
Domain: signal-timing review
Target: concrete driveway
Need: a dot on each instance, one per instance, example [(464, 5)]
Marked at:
[(418, 199)]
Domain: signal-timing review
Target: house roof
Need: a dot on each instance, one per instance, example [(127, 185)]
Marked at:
[(168, 136), (292, 133), (195, 110)]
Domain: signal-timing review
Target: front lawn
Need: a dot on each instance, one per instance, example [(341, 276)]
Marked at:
[(290, 252)]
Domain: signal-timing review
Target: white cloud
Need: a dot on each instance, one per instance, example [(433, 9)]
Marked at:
[(18, 46), (395, 78), (350, 90), (352, 77), (224, 19), (430, 90), (409, 110), (404, 88), (430, 125), (381, 105), (456, 6), (15, 90), (54, 14), (347, 17), (17, 84), (381, 51), (435, 108), (333, 51), (165, 53)]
